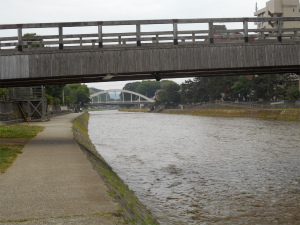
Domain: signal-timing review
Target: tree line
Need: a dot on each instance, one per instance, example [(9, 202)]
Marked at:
[(227, 88), (200, 89), (241, 88)]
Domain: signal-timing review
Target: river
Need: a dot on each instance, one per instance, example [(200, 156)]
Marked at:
[(205, 170)]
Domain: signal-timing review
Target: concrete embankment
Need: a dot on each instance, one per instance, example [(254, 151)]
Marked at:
[(275, 114), (132, 210)]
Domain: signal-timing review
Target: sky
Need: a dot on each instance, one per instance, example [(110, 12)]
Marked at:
[(42, 11)]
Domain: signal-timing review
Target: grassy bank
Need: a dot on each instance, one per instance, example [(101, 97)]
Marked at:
[(12, 141), (133, 110), (275, 114), (131, 209)]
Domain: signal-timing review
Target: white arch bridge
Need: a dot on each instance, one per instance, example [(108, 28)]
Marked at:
[(125, 98)]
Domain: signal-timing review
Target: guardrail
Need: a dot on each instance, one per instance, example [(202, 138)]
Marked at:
[(138, 38)]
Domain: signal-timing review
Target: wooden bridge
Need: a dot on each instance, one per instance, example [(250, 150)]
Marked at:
[(142, 54)]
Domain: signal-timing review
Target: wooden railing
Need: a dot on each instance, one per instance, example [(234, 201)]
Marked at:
[(138, 38)]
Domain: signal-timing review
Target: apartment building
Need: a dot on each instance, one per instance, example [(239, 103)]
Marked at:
[(279, 8)]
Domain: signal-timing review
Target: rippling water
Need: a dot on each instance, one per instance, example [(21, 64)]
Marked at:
[(205, 170)]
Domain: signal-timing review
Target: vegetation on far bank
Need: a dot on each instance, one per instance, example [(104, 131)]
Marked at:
[(9, 147), (275, 114), (133, 110)]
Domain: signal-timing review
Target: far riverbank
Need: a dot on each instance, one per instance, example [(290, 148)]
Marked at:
[(275, 114)]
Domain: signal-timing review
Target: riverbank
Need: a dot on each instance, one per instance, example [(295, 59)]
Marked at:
[(133, 110), (274, 114), (52, 182), (131, 209)]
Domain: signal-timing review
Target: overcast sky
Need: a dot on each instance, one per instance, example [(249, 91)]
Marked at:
[(41, 11)]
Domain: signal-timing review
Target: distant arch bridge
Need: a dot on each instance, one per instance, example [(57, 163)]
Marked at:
[(125, 98)]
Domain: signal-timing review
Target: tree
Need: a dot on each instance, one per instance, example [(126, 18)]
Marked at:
[(93, 90), (170, 94), (132, 86), (3, 93), (242, 87), (35, 38), (293, 93), (270, 87), (188, 91), (148, 88), (77, 93), (54, 94)]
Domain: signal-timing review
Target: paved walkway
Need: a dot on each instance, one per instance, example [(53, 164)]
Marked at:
[(52, 182)]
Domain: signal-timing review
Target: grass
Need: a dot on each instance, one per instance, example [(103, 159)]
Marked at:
[(8, 153), (133, 110), (275, 114), (19, 131)]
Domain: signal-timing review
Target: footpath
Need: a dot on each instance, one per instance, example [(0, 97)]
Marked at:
[(53, 182)]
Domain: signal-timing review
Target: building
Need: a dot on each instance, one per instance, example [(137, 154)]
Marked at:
[(222, 34), (279, 8)]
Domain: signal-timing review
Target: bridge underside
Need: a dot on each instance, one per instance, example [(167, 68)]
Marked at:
[(147, 76), (120, 64)]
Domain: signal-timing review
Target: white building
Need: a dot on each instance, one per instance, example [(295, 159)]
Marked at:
[(279, 8)]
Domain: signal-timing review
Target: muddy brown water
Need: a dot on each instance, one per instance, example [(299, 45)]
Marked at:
[(205, 170)]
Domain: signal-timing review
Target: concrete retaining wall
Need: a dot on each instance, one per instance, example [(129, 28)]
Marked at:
[(133, 211), (9, 111)]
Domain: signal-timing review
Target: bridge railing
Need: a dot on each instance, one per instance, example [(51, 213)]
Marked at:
[(175, 36)]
